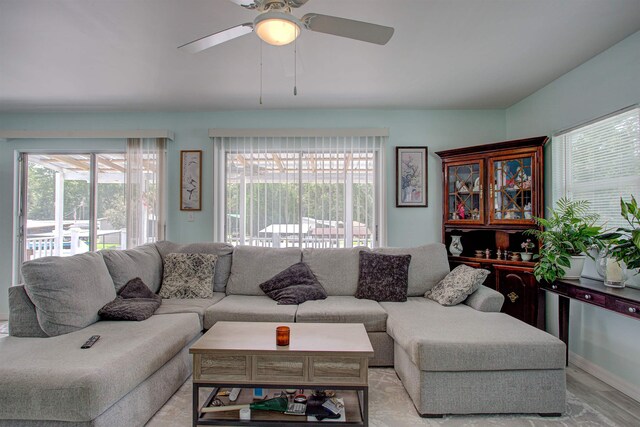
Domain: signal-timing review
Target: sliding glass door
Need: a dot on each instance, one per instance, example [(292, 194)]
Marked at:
[(71, 203)]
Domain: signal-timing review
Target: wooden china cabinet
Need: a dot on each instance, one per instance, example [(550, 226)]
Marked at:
[(491, 193)]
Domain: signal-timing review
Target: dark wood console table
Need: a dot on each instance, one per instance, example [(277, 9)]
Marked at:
[(625, 301)]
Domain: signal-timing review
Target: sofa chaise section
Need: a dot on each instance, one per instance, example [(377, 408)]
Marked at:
[(61, 382), (460, 360)]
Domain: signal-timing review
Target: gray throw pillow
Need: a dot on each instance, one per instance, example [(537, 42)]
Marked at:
[(294, 285), (383, 277), (68, 291), (135, 301), (188, 276), (457, 285)]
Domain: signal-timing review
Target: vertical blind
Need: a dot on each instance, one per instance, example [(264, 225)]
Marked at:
[(599, 162), (322, 191)]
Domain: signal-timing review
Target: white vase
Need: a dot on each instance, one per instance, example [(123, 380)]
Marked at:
[(574, 272), (456, 246), (526, 256)]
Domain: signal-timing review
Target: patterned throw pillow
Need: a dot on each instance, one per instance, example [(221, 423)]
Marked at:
[(294, 285), (461, 282), (383, 277), (188, 276)]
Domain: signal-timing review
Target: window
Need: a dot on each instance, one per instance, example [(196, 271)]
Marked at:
[(74, 202), (300, 191), (599, 162)]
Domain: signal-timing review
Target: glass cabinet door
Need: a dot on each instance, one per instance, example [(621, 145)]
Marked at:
[(464, 193), (512, 189)]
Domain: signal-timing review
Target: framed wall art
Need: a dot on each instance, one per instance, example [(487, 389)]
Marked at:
[(190, 180), (411, 177)]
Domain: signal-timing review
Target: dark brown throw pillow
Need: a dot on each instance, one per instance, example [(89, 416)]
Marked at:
[(294, 285), (135, 301), (136, 288), (383, 277)]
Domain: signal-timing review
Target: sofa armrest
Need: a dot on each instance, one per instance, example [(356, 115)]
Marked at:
[(485, 299)]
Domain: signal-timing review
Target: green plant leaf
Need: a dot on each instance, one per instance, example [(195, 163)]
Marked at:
[(564, 261)]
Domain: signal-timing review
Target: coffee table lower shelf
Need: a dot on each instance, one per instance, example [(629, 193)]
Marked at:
[(356, 401)]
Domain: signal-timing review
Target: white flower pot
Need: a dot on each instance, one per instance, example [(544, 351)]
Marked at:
[(574, 272)]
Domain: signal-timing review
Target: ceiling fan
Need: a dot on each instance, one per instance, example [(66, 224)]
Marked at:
[(277, 26)]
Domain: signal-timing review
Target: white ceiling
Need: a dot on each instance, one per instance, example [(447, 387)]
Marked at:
[(121, 55)]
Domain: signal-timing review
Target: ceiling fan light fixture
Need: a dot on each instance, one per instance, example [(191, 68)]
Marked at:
[(277, 28)]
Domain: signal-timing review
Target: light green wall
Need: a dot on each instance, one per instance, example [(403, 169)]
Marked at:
[(606, 83), (405, 227)]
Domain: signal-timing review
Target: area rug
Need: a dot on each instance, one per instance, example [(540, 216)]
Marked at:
[(390, 406)]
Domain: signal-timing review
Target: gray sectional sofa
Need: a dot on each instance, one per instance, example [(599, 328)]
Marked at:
[(468, 358)]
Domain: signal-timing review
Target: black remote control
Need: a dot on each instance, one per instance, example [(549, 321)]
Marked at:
[(91, 341)]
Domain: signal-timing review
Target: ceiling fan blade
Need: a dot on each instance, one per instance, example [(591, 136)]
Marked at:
[(247, 4), (217, 38), (349, 28)]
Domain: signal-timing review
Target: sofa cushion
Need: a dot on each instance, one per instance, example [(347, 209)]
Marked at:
[(253, 265), (53, 379), (193, 305), (336, 269), (223, 251), (459, 338), (23, 321), (188, 275), (429, 265), (344, 309), (248, 308), (143, 262), (485, 299), (294, 285), (457, 285), (68, 291), (383, 277)]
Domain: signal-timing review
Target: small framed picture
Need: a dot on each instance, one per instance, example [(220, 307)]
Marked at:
[(190, 180), (411, 177)]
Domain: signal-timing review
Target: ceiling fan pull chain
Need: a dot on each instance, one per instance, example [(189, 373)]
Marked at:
[(295, 67), (260, 72)]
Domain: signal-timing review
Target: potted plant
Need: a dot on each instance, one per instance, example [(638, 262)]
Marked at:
[(623, 244), (566, 235), (526, 255)]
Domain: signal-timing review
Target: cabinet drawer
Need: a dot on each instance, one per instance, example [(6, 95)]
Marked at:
[(558, 288), (628, 308), (278, 368), (588, 296), (217, 367), (345, 370)]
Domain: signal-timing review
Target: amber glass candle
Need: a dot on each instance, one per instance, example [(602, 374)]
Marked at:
[(282, 335)]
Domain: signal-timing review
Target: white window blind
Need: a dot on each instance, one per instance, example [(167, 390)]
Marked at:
[(599, 162), (300, 191)]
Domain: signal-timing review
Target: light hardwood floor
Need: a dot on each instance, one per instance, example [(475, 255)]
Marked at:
[(611, 403)]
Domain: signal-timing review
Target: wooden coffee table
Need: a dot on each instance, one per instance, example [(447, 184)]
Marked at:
[(333, 356)]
